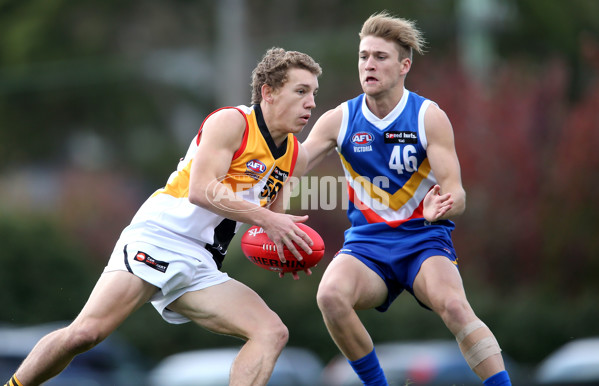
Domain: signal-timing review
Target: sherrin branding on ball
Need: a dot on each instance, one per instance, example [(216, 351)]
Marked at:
[(260, 250)]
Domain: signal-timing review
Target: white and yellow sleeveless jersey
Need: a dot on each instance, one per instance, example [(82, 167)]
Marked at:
[(258, 170)]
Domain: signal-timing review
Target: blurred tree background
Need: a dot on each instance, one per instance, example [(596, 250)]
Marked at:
[(99, 99)]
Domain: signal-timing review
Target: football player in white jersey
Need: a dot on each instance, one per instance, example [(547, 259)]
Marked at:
[(170, 253)]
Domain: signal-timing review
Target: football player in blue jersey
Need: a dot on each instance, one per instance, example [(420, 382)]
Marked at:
[(398, 154)]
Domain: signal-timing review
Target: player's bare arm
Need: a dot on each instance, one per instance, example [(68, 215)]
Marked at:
[(323, 137), (222, 134), (448, 198)]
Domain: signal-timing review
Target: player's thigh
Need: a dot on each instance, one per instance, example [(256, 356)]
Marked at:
[(115, 296), (438, 282), (354, 281), (230, 308)]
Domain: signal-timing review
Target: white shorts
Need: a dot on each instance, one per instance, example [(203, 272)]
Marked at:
[(173, 273)]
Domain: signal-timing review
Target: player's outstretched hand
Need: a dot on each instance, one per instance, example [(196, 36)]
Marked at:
[(295, 275), (436, 205)]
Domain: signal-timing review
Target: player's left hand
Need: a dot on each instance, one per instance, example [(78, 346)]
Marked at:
[(295, 275), (436, 205)]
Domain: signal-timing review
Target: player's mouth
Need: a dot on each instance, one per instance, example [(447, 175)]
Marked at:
[(370, 80), (305, 118)]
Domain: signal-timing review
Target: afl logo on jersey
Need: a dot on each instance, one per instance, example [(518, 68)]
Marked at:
[(362, 138), (256, 166)]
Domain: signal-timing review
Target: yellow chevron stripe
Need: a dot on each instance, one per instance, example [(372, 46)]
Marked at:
[(401, 196), (179, 186)]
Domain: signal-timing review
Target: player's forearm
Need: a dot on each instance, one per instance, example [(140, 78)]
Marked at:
[(223, 201), (459, 204)]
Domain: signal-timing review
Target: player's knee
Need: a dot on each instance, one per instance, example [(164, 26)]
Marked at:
[(280, 334), (455, 309), (329, 299), (273, 332), (81, 338), (278, 337)]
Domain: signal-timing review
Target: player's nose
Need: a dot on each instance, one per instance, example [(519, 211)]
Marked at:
[(310, 101)]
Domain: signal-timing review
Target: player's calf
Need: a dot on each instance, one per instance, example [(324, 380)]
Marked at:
[(481, 350)]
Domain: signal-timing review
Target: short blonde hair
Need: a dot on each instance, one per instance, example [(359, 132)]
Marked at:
[(395, 29), (274, 66)]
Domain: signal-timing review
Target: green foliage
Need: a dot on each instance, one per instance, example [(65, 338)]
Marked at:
[(68, 68), (45, 276), (530, 323), (544, 28)]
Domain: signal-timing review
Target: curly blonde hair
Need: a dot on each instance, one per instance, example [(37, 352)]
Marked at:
[(274, 66)]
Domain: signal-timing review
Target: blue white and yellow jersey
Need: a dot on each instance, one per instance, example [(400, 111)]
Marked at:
[(258, 170), (384, 160)]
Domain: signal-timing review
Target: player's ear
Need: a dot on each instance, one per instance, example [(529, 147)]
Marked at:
[(267, 93), (406, 64)]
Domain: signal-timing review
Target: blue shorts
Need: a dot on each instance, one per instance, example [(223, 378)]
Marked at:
[(396, 254)]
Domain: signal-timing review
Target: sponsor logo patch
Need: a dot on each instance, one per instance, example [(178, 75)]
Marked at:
[(401, 137), (151, 262), (279, 174)]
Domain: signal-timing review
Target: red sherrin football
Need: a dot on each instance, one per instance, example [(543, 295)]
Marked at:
[(261, 251)]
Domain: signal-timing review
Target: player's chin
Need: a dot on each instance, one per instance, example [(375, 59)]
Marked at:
[(298, 127), (371, 89)]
